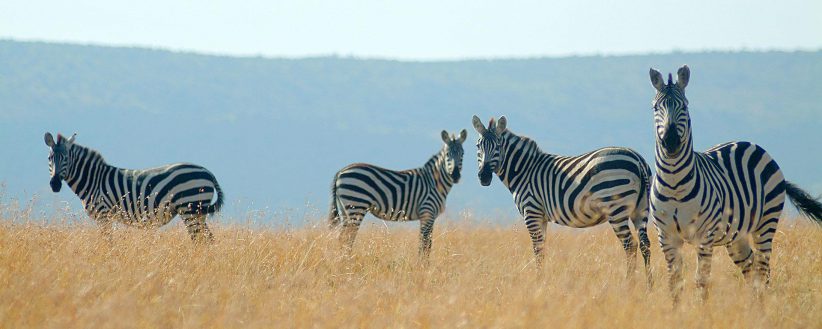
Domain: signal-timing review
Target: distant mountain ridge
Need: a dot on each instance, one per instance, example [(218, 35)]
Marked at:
[(275, 131)]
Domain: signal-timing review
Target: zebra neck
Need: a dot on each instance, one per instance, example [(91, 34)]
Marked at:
[(438, 173), (516, 153), (676, 174), (86, 172)]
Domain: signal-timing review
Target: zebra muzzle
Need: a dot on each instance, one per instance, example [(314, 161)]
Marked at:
[(55, 183), (485, 176), (670, 141)]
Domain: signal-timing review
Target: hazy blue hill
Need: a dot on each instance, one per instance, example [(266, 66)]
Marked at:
[(275, 131)]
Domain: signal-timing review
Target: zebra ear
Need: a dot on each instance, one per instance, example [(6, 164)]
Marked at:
[(657, 80), (463, 136), (478, 125), (501, 125), (682, 76), (49, 140), (445, 137), (71, 139)]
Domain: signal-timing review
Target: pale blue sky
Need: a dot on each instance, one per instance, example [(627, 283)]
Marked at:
[(422, 29)]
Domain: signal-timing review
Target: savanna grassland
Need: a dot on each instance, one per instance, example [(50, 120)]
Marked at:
[(61, 274)]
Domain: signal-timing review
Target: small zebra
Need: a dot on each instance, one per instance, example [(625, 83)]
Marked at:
[(415, 194), (730, 195), (606, 185), (143, 198)]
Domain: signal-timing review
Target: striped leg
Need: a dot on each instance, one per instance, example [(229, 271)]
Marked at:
[(623, 232), (426, 228), (671, 247), (705, 253), (197, 227), (742, 255), (761, 273), (350, 225), (533, 221), (640, 219), (641, 225), (762, 243)]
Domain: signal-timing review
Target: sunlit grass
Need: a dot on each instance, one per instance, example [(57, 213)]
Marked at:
[(63, 274)]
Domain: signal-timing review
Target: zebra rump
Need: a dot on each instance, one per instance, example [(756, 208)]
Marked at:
[(334, 213)]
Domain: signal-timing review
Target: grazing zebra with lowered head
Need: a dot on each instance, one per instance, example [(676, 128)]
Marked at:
[(415, 194), (730, 195), (606, 185), (144, 198)]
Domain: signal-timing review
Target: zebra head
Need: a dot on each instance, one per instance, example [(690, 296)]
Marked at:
[(59, 159), (673, 123), (453, 154), (488, 147)]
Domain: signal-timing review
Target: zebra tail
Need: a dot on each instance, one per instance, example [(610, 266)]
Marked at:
[(218, 204), (334, 213), (808, 205)]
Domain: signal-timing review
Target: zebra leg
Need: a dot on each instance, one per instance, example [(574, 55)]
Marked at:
[(623, 232), (426, 228), (197, 228), (533, 222), (350, 225), (762, 243), (641, 225), (761, 261), (742, 255), (705, 253), (761, 273), (671, 247)]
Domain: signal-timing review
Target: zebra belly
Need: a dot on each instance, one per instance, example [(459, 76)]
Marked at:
[(398, 215), (581, 222), (575, 219), (154, 217), (595, 210)]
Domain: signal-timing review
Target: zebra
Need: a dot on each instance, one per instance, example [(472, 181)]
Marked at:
[(142, 198), (415, 194), (730, 195), (606, 185)]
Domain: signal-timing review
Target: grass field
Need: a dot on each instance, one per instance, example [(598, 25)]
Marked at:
[(64, 275)]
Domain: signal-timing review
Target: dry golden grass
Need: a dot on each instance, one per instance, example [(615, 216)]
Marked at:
[(65, 275)]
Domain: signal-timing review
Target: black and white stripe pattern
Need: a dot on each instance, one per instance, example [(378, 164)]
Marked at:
[(416, 194), (145, 198), (730, 195), (606, 185)]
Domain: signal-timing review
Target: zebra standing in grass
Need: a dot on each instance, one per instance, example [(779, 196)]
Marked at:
[(606, 185), (145, 198), (416, 194), (730, 195)]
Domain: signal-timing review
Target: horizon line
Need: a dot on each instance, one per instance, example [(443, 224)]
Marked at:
[(200, 52)]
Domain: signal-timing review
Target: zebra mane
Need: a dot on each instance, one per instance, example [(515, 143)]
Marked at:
[(432, 162), (525, 140), (89, 152)]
